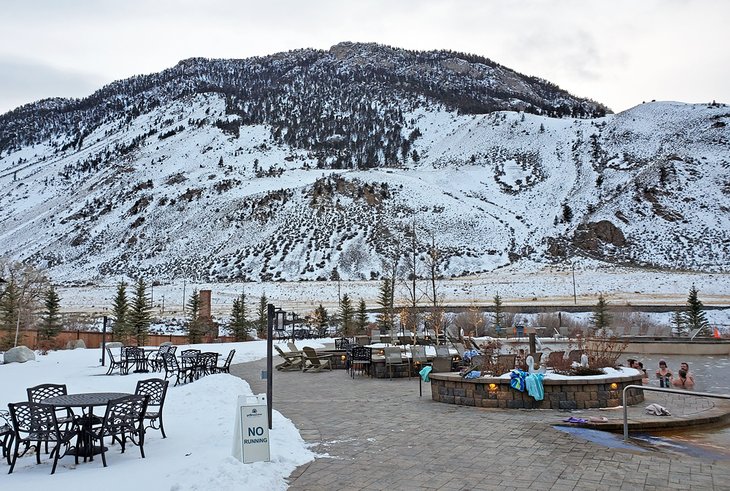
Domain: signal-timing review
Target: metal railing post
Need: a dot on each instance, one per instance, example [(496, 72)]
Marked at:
[(662, 389)]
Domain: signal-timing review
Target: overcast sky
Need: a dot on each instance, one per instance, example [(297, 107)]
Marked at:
[(618, 52)]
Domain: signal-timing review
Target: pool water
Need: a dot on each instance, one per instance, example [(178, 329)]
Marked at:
[(712, 374)]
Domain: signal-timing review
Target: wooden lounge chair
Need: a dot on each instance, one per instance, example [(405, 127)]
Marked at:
[(314, 362), (291, 361)]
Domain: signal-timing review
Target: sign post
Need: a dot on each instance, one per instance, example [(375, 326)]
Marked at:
[(252, 430)]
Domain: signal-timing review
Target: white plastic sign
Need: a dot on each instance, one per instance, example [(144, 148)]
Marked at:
[(252, 430)]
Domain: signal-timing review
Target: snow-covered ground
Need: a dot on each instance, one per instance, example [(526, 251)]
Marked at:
[(199, 422)]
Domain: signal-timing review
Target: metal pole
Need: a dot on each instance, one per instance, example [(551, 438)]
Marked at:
[(661, 389), (103, 342), (269, 360), (575, 297)]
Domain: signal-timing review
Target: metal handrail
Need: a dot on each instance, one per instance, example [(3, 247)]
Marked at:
[(662, 389)]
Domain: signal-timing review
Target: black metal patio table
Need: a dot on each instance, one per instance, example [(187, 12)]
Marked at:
[(86, 401)]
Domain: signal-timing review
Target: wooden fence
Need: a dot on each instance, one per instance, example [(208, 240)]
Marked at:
[(92, 339)]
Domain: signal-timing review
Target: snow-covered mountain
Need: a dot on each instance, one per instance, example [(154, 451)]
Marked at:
[(299, 164)]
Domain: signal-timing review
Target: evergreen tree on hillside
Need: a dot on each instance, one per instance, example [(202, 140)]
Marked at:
[(262, 317), (679, 326), (695, 315), (385, 301), (239, 321), (120, 310), (361, 318), (601, 319), (140, 317), (347, 312), (9, 314), (50, 324), (194, 325), (498, 313)]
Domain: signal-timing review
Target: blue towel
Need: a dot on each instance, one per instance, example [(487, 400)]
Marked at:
[(468, 355), (517, 379), (473, 374), (424, 373), (534, 386)]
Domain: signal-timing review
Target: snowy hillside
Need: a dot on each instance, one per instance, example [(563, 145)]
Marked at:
[(164, 176)]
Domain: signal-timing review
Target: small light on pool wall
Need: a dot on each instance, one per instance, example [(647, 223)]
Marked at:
[(492, 386), (343, 357), (614, 386)]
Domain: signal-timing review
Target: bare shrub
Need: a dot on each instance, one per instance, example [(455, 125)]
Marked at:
[(603, 350)]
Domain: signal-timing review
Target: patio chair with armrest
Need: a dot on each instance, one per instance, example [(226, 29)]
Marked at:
[(34, 423), (172, 367), (226, 367), (6, 434), (394, 357), (64, 416), (156, 389), (155, 359), (359, 360), (293, 348), (555, 359), (116, 363), (206, 364), (123, 420), (314, 362), (291, 361)]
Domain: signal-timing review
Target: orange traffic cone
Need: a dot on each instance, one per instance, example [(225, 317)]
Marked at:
[(716, 333)]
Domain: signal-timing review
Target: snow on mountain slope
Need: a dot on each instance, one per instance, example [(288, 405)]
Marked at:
[(191, 187)]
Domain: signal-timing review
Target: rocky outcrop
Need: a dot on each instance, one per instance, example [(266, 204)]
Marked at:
[(590, 236)]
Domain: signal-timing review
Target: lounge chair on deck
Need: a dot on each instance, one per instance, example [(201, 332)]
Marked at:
[(292, 361), (314, 362)]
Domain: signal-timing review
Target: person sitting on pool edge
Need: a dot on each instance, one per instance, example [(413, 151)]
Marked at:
[(685, 379), (664, 375)]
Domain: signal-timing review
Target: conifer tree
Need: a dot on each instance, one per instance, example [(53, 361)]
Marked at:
[(194, 325), (50, 324), (361, 318), (498, 313), (678, 323), (8, 314), (347, 312), (385, 300), (262, 316), (239, 321), (139, 316), (601, 318), (694, 316), (120, 311)]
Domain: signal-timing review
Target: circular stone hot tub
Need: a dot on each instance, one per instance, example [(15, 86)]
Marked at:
[(560, 393)]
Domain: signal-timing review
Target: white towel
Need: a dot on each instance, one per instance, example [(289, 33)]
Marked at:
[(657, 410)]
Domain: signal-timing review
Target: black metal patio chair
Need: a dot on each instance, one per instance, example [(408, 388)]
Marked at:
[(34, 424), (226, 367), (156, 389), (182, 373), (64, 416), (116, 363), (123, 420), (6, 434), (360, 360)]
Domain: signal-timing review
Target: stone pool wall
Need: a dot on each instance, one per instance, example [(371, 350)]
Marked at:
[(580, 393)]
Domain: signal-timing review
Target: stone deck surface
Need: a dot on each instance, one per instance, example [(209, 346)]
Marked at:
[(378, 434)]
